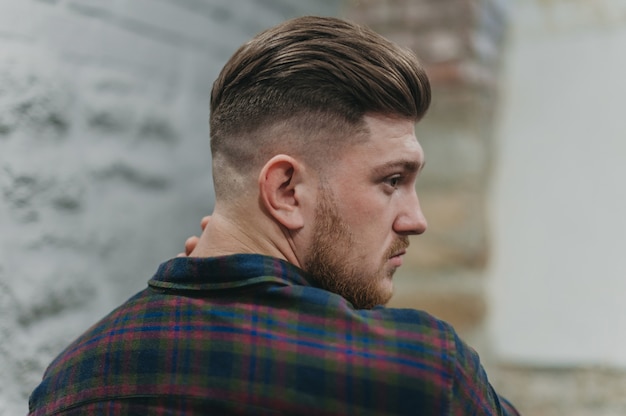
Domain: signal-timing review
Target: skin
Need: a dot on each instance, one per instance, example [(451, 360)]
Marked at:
[(370, 208), (363, 207)]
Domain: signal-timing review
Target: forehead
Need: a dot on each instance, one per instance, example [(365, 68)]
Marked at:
[(390, 144)]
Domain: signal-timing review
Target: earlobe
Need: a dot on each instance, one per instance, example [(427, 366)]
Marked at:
[(279, 189)]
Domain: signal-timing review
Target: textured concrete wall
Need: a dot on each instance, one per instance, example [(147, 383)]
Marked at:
[(104, 155)]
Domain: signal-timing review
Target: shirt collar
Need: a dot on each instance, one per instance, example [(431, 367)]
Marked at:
[(225, 272)]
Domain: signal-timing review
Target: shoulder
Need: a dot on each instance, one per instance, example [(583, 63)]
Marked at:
[(405, 322), (461, 372), (415, 335)]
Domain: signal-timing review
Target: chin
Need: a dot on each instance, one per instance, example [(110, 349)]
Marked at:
[(386, 290)]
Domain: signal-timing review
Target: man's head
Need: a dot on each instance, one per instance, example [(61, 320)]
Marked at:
[(301, 112), (302, 88)]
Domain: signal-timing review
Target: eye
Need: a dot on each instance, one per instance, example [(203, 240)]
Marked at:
[(393, 181)]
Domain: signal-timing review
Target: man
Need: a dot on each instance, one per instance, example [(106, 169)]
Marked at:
[(277, 308)]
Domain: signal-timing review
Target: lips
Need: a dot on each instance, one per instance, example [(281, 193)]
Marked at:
[(396, 261), (397, 250), (396, 258), (398, 247)]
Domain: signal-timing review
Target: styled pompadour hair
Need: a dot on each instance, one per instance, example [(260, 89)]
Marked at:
[(304, 86)]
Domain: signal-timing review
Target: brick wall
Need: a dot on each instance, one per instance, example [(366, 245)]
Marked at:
[(104, 156), (459, 42)]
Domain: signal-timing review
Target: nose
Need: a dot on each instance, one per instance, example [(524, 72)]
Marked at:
[(410, 219)]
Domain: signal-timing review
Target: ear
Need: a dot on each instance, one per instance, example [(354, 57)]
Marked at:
[(280, 188)]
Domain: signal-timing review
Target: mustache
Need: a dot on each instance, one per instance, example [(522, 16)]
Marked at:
[(400, 244)]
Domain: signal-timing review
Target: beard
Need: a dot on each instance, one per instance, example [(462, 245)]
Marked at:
[(336, 267)]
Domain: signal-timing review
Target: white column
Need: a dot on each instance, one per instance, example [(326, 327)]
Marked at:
[(558, 200)]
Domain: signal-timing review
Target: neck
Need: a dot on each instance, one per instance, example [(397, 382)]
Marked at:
[(234, 234)]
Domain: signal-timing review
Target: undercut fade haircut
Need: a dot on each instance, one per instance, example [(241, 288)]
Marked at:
[(303, 88)]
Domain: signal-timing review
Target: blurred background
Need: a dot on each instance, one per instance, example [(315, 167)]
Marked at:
[(105, 170)]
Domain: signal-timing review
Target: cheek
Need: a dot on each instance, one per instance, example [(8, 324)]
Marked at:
[(370, 234), (362, 207), (372, 220), (367, 213)]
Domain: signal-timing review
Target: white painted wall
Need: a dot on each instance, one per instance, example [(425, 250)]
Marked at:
[(558, 201)]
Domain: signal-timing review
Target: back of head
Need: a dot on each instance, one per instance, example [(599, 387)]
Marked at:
[(302, 88)]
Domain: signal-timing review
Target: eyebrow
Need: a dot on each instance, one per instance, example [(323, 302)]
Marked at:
[(406, 165)]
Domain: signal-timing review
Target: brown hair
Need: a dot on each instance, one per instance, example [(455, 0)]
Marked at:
[(303, 87)]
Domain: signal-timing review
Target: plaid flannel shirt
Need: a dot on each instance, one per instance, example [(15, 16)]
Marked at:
[(249, 334)]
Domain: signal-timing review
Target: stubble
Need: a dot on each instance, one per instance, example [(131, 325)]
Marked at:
[(334, 265)]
